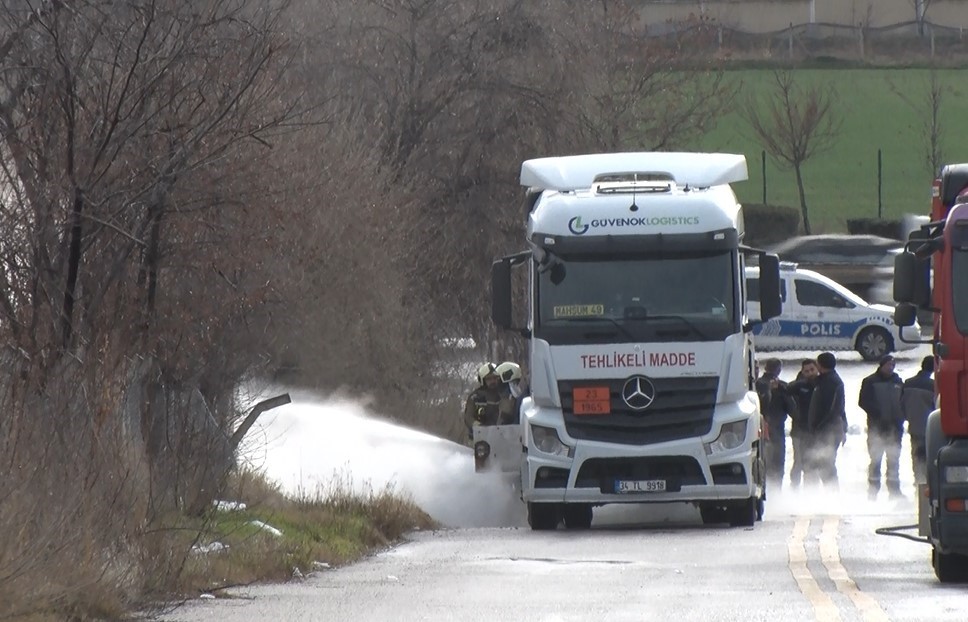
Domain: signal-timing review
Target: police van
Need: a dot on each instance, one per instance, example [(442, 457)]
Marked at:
[(821, 314)]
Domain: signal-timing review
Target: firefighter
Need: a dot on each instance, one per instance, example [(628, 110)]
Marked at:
[(513, 391), (484, 403)]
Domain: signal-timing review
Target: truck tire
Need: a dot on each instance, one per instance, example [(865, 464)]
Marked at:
[(577, 515), (934, 440), (873, 343), (760, 508), (543, 516), (950, 567), (743, 513)]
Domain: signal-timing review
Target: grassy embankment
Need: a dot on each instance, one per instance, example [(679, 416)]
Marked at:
[(331, 526), (275, 537), (842, 183)]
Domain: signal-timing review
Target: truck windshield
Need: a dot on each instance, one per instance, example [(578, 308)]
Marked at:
[(959, 289), (642, 298)]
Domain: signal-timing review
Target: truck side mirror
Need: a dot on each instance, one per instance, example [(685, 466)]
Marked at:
[(904, 278), (912, 280), (905, 314), (501, 293), (770, 304)]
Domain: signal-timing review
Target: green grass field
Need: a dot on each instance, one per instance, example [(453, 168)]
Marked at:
[(841, 183)]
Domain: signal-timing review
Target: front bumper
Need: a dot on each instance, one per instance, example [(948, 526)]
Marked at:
[(690, 474)]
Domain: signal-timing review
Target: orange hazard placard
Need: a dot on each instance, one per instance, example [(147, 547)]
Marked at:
[(591, 401)]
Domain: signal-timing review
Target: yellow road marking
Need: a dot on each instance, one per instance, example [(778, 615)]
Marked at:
[(869, 608), (824, 609)]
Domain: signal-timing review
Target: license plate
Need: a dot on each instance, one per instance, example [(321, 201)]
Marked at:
[(643, 485), (591, 401)]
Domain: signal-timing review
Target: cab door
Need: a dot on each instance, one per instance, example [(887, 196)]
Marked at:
[(824, 318)]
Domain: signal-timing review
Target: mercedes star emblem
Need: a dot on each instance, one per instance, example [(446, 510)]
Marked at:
[(638, 392)]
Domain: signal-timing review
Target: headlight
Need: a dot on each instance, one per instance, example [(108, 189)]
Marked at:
[(956, 474), (546, 441), (731, 436)]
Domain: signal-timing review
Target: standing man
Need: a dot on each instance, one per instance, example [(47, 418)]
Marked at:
[(778, 405), (801, 390), (917, 402), (880, 398), (762, 387), (827, 420)]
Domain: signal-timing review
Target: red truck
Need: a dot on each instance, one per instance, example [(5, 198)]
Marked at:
[(932, 273)]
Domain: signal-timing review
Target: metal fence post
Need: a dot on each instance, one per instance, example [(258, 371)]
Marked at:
[(880, 169), (763, 167)]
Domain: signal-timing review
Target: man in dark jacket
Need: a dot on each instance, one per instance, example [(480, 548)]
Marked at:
[(827, 420), (801, 390), (880, 398), (775, 409), (917, 402)]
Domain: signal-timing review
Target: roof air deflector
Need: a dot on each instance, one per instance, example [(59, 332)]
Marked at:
[(699, 170)]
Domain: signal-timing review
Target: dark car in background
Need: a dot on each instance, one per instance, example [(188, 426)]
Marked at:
[(851, 260)]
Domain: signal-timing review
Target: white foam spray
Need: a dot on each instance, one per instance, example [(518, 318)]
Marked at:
[(307, 445)]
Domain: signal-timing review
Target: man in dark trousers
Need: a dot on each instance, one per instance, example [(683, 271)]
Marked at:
[(827, 420), (775, 409), (801, 390), (880, 398), (917, 402)]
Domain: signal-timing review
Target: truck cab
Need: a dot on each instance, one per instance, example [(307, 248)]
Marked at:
[(932, 274), (641, 350)]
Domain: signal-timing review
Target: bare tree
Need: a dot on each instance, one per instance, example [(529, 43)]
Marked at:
[(134, 165), (639, 93), (462, 92), (920, 13), (926, 102), (795, 123)]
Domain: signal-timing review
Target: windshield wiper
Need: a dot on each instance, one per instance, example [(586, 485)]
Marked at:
[(603, 318), (670, 316)]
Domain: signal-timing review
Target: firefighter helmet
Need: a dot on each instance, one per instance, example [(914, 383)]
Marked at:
[(509, 372), (485, 370)]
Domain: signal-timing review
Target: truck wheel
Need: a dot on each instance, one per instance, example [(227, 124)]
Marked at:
[(543, 516), (950, 567), (713, 514), (760, 508), (873, 343), (743, 513), (577, 515)]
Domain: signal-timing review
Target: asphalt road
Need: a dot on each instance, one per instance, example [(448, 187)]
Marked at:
[(814, 557)]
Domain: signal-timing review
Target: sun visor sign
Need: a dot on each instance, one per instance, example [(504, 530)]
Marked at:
[(566, 311)]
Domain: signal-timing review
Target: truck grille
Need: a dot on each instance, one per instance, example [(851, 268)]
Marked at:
[(683, 408)]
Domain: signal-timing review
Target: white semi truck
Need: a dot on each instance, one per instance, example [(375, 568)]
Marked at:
[(641, 351)]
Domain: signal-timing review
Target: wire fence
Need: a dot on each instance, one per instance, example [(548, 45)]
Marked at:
[(905, 41)]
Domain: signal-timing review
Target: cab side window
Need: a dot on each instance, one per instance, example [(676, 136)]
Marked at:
[(811, 294), (753, 289)]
